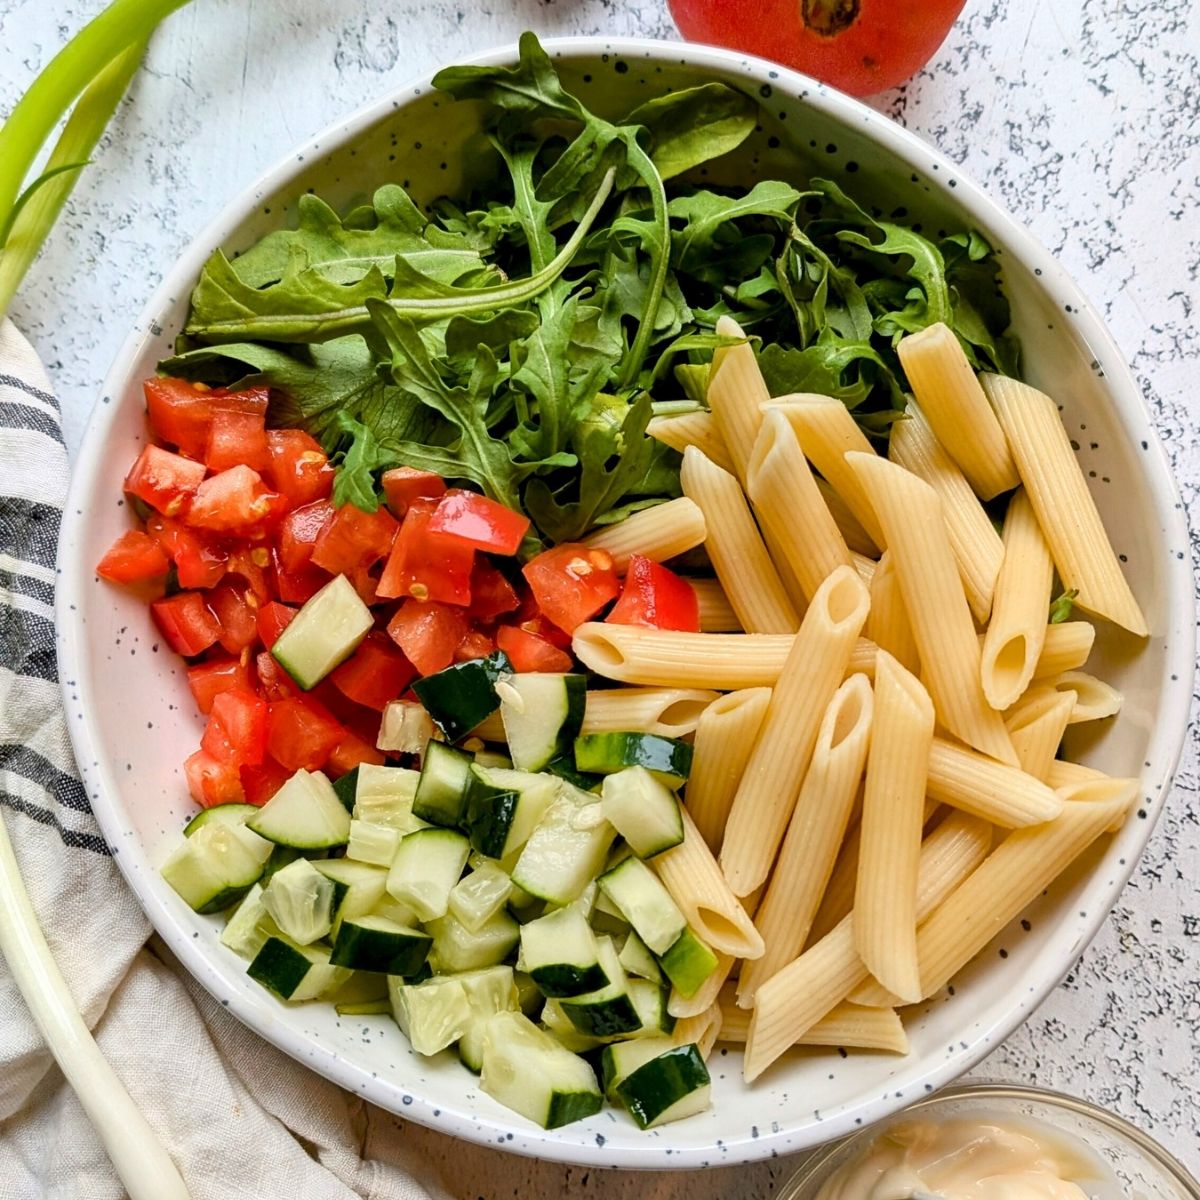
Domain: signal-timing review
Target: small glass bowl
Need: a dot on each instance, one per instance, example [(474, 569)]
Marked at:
[(1144, 1169)]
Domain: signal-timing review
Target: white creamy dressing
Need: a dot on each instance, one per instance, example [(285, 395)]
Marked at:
[(971, 1159)]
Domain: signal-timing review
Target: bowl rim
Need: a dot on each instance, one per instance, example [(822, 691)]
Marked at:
[(74, 574)]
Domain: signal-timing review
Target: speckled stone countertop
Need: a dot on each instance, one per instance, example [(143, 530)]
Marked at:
[(1081, 116)]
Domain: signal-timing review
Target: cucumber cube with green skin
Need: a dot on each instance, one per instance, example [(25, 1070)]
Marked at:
[(650, 1002), (433, 1014), (566, 850), (227, 814), (463, 695), (488, 992), (456, 948), (504, 806), (479, 895), (427, 866), (324, 633), (444, 786), (357, 887), (370, 943), (643, 810), (295, 972), (645, 903), (558, 1024), (542, 715), (299, 899), (668, 759), (305, 814), (560, 953), (386, 795), (345, 787), (674, 1085), (609, 1010), (688, 963), (637, 960), (217, 865), (249, 927), (373, 844), (621, 1059), (564, 768)]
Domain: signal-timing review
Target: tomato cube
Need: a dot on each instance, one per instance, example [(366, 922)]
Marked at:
[(262, 782), (199, 562), (234, 500), (211, 781), (403, 485), (134, 557), (375, 673), (301, 734), (352, 751), (235, 609), (426, 565), (571, 583), (185, 622), (164, 480), (298, 533), (657, 598), (529, 652), (299, 468), (478, 522), (253, 564), (181, 413), (428, 633), (272, 619), (209, 679), (237, 729), (491, 593), (237, 439), (353, 538), (476, 644), (274, 683), (301, 585)]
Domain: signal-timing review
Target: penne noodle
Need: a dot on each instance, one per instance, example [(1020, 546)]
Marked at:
[(716, 613), (697, 429), (854, 535), (735, 392), (1062, 774), (736, 548), (1037, 727), (815, 666), (1004, 795), (1067, 647), (704, 1029), (958, 411), (865, 567), (1100, 787), (887, 622), (681, 1007), (815, 832), (1094, 699), (976, 544), (1016, 634), (788, 505), (827, 433), (910, 513), (725, 735), (848, 1025), (659, 533), (1065, 509), (792, 1001), (696, 883), (885, 897)]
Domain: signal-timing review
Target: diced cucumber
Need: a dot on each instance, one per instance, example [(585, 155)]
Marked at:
[(345, 787), (281, 856), (635, 889), (542, 716), (560, 953), (637, 960), (365, 1008), (480, 894), (643, 810), (441, 796), (299, 899), (668, 759), (456, 948), (460, 697), (357, 887), (364, 993), (566, 849), (504, 806), (492, 758), (607, 917), (373, 844), (621, 1059), (324, 633), (402, 914), (433, 1014), (405, 728), (229, 814), (427, 865), (688, 963), (304, 813), (559, 1026), (526, 1070), (217, 865), (385, 796), (650, 1001), (564, 768), (249, 926), (488, 992), (369, 943), (529, 995), (609, 1010), (669, 1087), (295, 972)]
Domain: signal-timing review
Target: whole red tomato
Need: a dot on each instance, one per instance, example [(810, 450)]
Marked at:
[(859, 46)]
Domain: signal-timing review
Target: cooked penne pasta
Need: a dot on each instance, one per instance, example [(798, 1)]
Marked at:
[(704, 1029), (697, 429), (865, 567), (910, 513), (827, 433), (697, 884), (816, 665), (885, 898), (659, 533), (816, 830), (725, 735), (1037, 727), (1016, 634), (1094, 699), (716, 613), (854, 535), (1062, 774), (887, 623), (681, 1007), (976, 544), (788, 505), (1004, 795), (951, 397), (792, 1001), (736, 548), (1104, 788), (1065, 509), (1066, 648), (849, 1025), (735, 393)]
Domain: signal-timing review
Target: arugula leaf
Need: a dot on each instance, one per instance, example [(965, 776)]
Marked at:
[(848, 371), (1061, 606), (695, 125), (705, 213)]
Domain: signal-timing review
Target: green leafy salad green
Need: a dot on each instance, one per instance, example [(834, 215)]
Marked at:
[(521, 339)]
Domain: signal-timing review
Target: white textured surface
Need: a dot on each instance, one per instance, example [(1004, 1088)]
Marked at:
[(1083, 117)]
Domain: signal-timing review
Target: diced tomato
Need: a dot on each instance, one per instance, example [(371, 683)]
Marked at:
[(657, 598), (235, 609), (272, 619), (298, 533), (234, 500), (199, 562), (547, 631), (274, 683), (352, 751), (375, 673), (181, 412), (299, 468), (479, 522), (301, 734), (428, 633), (366, 584), (354, 538), (134, 557), (164, 480), (186, 623), (426, 565), (476, 644), (212, 781), (254, 565), (262, 782), (237, 439), (491, 593), (237, 729), (301, 585), (528, 652), (209, 679), (403, 485), (571, 583)]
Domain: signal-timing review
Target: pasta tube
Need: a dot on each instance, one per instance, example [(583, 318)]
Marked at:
[(1004, 795), (1066, 647), (659, 533), (1094, 699), (887, 623), (716, 613), (848, 1025), (697, 429), (1037, 727), (855, 536), (735, 393)]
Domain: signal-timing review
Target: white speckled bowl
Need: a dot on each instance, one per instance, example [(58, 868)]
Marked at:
[(132, 721)]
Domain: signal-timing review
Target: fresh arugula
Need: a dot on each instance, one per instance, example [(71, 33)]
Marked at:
[(1061, 606)]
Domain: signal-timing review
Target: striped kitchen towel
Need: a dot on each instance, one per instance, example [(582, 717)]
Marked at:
[(240, 1118)]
